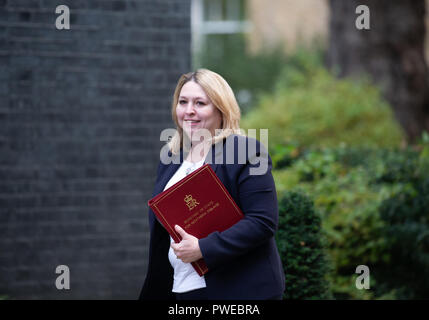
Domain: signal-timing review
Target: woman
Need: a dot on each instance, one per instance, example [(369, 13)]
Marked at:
[(243, 261)]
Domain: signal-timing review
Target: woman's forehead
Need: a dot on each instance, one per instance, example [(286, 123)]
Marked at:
[(192, 89)]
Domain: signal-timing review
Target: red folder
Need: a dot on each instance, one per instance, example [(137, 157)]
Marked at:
[(200, 204)]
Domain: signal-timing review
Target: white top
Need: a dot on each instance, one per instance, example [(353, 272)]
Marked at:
[(185, 276)]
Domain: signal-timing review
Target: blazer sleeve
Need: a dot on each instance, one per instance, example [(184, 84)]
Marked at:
[(258, 200)]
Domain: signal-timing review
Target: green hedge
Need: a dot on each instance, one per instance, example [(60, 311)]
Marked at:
[(406, 228), (299, 241), (374, 210)]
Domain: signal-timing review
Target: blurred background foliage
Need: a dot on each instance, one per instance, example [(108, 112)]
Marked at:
[(250, 75), (310, 107), (373, 204), (351, 189)]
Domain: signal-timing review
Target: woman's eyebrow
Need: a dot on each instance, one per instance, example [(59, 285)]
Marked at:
[(197, 97)]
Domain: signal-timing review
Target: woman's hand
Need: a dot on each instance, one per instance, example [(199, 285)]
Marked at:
[(187, 250)]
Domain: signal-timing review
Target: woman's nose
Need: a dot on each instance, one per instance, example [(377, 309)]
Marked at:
[(190, 108)]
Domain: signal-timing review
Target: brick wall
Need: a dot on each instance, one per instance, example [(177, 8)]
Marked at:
[(81, 111)]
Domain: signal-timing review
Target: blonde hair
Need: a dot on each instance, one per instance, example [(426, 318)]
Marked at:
[(222, 97)]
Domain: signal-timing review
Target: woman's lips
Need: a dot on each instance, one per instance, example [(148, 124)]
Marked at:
[(192, 122)]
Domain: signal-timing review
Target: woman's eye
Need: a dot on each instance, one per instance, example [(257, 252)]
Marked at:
[(200, 103), (182, 101)]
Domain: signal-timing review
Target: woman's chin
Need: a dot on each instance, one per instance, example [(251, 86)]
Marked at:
[(191, 130)]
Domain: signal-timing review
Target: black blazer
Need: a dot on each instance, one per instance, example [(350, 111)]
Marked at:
[(243, 261)]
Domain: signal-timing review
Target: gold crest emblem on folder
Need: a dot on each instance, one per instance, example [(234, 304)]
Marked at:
[(190, 202)]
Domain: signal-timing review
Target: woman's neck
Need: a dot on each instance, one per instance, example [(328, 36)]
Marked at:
[(197, 152)]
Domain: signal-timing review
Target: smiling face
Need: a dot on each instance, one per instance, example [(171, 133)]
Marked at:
[(195, 111)]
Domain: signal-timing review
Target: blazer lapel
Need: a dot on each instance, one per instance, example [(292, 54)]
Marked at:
[(162, 182), (169, 172), (215, 155)]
